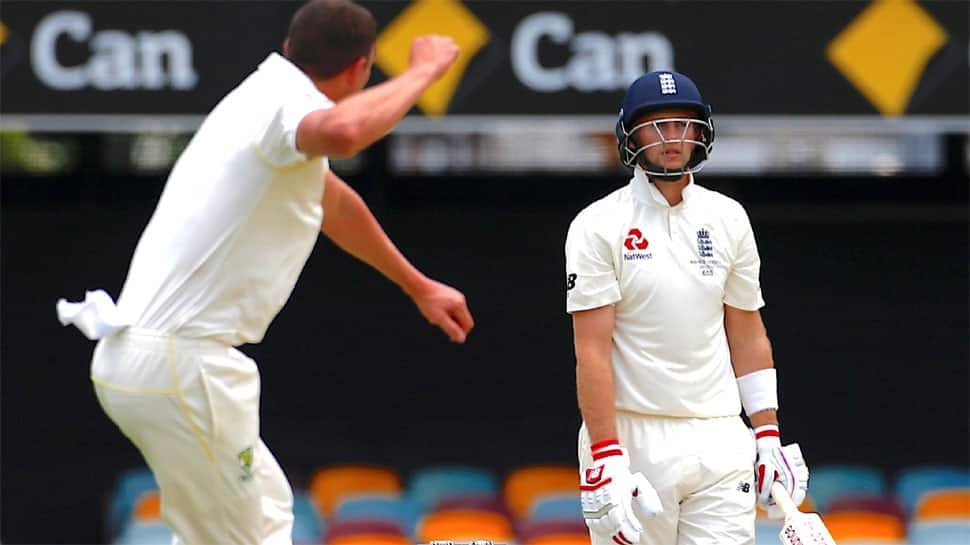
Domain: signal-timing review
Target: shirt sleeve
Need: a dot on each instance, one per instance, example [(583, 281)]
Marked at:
[(743, 286), (590, 274), (276, 141)]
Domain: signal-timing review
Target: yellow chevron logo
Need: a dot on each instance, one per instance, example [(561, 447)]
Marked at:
[(884, 51), (4, 33), (445, 17)]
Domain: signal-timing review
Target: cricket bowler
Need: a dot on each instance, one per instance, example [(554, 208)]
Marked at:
[(239, 215)]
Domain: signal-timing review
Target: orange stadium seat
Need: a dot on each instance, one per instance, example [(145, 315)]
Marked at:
[(331, 484), (465, 526), (562, 539), (369, 539), (524, 485), (554, 533), (148, 506), (859, 526), (947, 503)]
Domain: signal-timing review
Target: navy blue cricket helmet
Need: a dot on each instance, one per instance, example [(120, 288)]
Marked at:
[(663, 89)]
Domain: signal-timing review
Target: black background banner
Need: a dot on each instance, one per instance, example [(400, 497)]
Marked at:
[(748, 58)]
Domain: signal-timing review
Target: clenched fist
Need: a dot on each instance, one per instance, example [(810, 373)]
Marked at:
[(433, 54)]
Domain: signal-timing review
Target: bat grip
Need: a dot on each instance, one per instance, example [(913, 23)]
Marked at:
[(782, 498)]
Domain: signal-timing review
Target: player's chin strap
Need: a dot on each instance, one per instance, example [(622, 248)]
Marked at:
[(660, 173), (650, 167)]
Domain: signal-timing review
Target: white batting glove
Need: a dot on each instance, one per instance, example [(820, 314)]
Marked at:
[(784, 464), (607, 494)]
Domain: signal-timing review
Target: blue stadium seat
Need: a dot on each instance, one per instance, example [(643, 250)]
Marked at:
[(939, 533), (379, 507), (144, 533), (766, 531), (131, 484), (913, 482), (308, 525), (557, 507), (430, 485), (829, 482)]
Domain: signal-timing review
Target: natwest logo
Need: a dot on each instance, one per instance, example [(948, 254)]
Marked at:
[(635, 241), (118, 60)]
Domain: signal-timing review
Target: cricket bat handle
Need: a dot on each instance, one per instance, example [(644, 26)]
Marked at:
[(783, 499)]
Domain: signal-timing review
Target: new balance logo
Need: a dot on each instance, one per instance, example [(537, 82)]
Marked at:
[(744, 487), (667, 85)]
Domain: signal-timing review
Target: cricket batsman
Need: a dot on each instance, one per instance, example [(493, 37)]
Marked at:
[(662, 282)]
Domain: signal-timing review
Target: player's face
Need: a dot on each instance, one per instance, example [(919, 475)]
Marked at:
[(668, 136)]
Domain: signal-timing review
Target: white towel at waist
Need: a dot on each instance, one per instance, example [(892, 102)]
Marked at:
[(96, 317)]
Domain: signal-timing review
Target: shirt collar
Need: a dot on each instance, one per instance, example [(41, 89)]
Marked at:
[(647, 192), (281, 67)]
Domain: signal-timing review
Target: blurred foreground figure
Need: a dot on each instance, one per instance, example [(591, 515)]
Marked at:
[(239, 216)]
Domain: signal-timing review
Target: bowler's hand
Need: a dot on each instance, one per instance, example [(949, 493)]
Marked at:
[(446, 308), (433, 54)]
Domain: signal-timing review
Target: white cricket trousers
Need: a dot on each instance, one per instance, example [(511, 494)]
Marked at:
[(703, 470), (191, 406)]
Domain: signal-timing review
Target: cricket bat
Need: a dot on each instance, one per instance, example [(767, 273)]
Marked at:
[(800, 528)]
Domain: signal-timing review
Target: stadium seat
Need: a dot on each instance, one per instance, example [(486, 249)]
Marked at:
[(548, 530), (829, 482), (130, 485), (307, 524), (430, 485), (939, 533), (944, 503), (866, 503), (491, 504), (328, 485), (766, 531), (379, 507), (557, 507), (524, 485), (145, 533), (854, 526), (913, 482), (465, 526), (561, 539), (148, 506), (363, 527), (370, 540)]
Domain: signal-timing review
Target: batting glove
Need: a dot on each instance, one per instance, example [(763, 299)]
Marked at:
[(778, 463), (608, 491)]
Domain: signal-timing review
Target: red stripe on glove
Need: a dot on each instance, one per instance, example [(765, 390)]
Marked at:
[(606, 454), (767, 433)]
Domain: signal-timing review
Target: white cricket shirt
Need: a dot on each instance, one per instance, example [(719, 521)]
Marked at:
[(238, 218), (669, 271)]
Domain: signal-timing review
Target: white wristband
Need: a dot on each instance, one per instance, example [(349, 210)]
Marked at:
[(759, 391)]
